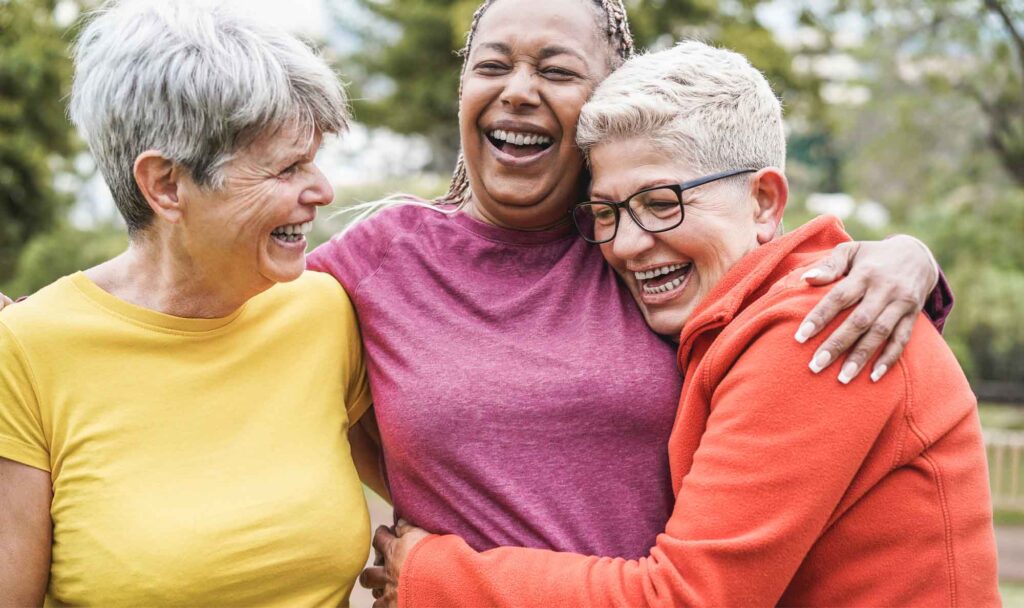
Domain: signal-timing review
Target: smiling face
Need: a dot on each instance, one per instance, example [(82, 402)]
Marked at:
[(252, 230), (532, 66), (670, 273)]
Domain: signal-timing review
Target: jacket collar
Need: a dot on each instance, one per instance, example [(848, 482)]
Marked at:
[(754, 275)]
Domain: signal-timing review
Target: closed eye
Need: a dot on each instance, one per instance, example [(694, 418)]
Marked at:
[(491, 68), (557, 73)]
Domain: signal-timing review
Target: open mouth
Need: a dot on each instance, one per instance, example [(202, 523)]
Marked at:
[(519, 144), (663, 279), (292, 233)]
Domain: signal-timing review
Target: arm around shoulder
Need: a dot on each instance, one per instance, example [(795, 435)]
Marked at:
[(780, 449)]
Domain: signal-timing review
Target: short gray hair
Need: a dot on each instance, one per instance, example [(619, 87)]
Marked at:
[(197, 82), (707, 104)]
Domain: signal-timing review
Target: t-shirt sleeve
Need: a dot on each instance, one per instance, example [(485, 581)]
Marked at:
[(21, 429), (356, 384)]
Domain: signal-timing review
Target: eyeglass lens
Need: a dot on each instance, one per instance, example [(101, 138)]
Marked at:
[(654, 210)]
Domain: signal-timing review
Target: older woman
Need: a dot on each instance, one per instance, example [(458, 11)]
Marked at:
[(486, 321), (173, 421), (789, 488)]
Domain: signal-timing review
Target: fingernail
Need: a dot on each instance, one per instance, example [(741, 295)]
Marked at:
[(879, 372), (804, 333), (813, 273), (848, 372), (820, 361)]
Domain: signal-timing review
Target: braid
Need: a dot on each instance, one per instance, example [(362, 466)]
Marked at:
[(618, 35)]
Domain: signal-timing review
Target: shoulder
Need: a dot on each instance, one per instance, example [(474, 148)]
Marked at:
[(44, 312), (379, 228), (313, 292), (356, 253)]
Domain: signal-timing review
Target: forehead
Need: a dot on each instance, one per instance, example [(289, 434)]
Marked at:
[(290, 142), (526, 25), (620, 168)]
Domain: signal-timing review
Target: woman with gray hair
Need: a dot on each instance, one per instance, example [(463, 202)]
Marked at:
[(173, 421), (789, 488)]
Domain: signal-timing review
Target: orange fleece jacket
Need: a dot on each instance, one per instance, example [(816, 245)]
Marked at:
[(791, 488)]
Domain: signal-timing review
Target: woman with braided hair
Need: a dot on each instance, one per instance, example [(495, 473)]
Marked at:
[(520, 398)]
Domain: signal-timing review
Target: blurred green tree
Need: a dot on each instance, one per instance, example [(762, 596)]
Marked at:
[(35, 76), (62, 251), (940, 142)]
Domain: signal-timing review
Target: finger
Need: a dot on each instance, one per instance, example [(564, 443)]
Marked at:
[(846, 293), (849, 331), (382, 539), (833, 267), (373, 578), (871, 341), (5, 301), (403, 527), (894, 348)]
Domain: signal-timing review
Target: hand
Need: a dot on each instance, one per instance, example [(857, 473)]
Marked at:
[(382, 578), (891, 279), (5, 301)]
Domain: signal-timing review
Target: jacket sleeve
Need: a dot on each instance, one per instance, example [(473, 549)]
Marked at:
[(779, 451), (939, 303)]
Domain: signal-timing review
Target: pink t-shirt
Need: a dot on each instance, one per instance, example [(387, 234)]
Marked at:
[(520, 396)]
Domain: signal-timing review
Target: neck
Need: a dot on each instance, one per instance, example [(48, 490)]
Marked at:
[(153, 275), (525, 224)]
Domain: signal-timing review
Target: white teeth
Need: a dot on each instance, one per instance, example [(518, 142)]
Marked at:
[(293, 230), (646, 275), (521, 139), (666, 287), (643, 275)]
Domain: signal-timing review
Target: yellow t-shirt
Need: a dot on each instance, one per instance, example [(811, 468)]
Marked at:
[(194, 461)]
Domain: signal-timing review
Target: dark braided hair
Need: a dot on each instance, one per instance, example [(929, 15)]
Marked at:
[(618, 35)]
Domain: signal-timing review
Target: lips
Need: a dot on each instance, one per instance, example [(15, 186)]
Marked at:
[(516, 143), (662, 283)]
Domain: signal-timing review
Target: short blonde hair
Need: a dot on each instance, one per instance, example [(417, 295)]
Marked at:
[(707, 104)]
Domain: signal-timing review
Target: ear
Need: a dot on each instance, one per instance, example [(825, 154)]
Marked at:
[(771, 192), (158, 178)]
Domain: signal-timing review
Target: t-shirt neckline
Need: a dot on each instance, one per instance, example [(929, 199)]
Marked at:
[(509, 235), (145, 316)]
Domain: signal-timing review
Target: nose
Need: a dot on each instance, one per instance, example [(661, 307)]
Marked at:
[(631, 240), (520, 88), (319, 191)]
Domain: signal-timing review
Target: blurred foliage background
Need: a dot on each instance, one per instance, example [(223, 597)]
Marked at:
[(903, 116)]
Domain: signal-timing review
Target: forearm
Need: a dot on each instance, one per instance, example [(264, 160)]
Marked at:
[(367, 455), (25, 534)]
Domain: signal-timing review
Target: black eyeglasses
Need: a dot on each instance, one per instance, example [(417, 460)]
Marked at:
[(654, 209)]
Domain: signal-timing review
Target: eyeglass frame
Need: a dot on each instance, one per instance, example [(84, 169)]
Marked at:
[(624, 204)]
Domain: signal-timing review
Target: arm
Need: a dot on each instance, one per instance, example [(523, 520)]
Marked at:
[(364, 437), (742, 524), (892, 280), (25, 534)]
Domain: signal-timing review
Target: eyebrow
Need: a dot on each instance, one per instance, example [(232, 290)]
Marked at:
[(648, 184), (545, 53)]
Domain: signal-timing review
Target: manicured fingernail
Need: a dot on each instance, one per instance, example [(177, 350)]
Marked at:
[(813, 273), (804, 333), (879, 371), (820, 361), (848, 372)]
